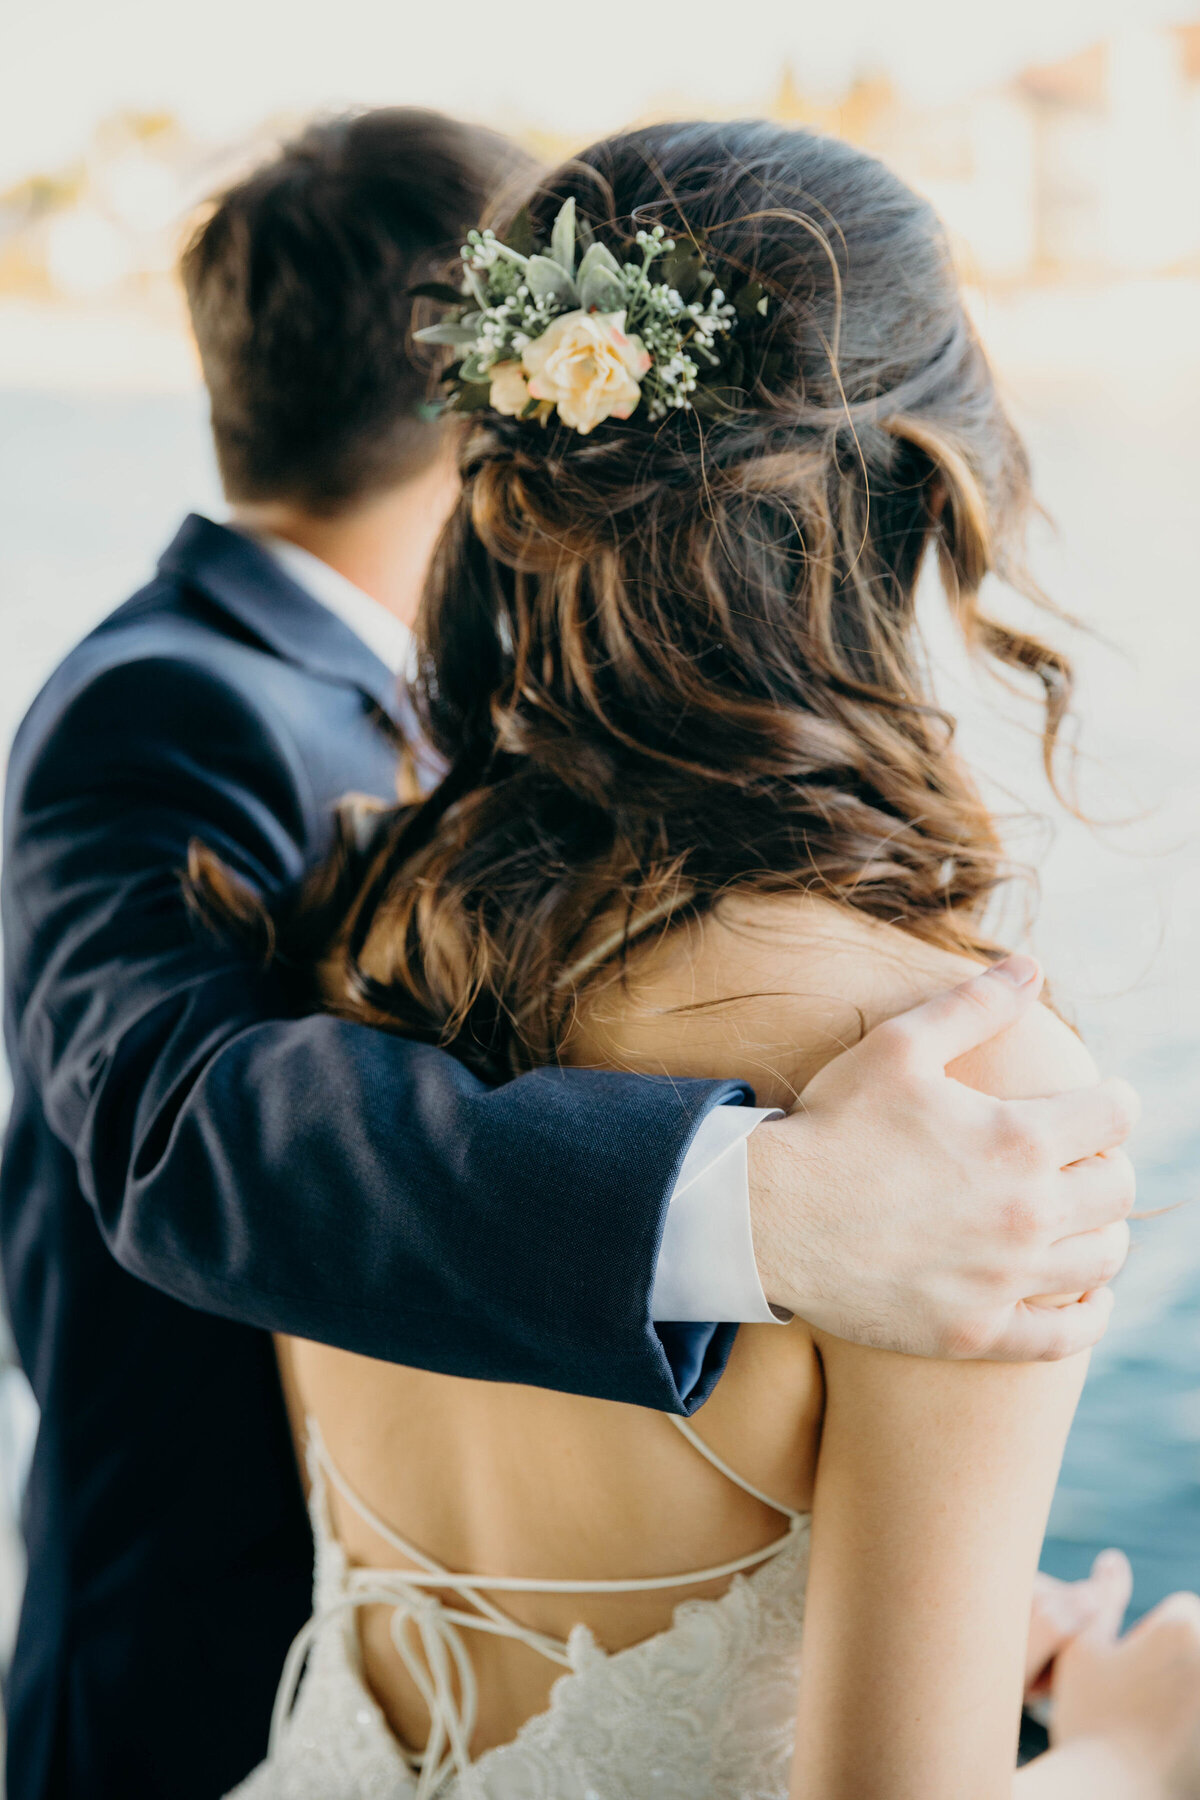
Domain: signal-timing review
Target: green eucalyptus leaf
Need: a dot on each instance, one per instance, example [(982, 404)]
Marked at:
[(681, 268), (456, 336), (602, 291), (562, 238), (519, 236), (474, 369), (601, 288), (747, 300), (477, 284), (598, 256), (711, 402), (472, 397), (716, 401), (547, 281)]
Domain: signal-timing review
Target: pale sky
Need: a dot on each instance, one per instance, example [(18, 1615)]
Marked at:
[(578, 68)]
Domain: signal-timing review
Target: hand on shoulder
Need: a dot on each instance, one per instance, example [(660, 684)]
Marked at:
[(955, 1168)]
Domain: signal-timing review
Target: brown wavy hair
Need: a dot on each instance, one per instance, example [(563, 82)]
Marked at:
[(664, 661)]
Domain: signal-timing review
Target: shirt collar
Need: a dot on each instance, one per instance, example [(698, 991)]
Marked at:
[(380, 630)]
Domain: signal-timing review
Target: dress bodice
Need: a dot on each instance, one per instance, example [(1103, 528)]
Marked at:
[(703, 1710)]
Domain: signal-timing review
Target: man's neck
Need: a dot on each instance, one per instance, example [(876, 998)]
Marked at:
[(383, 545)]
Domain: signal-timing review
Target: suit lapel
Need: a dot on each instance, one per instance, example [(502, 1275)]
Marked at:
[(247, 583)]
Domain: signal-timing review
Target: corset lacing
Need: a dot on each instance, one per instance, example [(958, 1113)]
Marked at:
[(427, 1632)]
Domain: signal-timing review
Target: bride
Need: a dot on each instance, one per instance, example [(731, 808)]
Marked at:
[(701, 818)]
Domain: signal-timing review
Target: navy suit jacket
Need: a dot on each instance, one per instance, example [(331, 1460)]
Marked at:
[(190, 1166)]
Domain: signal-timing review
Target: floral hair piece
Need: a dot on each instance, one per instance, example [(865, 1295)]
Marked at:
[(536, 332)]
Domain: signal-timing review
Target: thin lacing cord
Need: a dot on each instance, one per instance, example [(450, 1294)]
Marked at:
[(723, 1468), (434, 1575), (439, 1653)]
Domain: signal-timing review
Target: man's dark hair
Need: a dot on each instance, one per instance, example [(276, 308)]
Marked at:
[(297, 282)]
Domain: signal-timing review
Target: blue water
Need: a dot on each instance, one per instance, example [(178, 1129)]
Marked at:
[(91, 487)]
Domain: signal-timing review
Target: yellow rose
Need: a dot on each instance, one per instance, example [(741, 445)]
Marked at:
[(587, 366), (510, 390)]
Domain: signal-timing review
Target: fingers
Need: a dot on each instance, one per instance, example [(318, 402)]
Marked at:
[(1088, 1120), (956, 1021), (1180, 1609), (1111, 1582), (1075, 1264), (1097, 1191), (1049, 1333), (1060, 1611)]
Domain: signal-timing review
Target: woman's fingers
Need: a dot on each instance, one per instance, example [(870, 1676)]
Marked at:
[(1111, 1582), (1075, 1264), (1062, 1609), (1086, 1120)]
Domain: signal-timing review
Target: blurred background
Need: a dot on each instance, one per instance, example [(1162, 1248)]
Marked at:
[(1060, 140)]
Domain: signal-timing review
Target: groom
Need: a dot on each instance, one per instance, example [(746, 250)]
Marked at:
[(190, 1167)]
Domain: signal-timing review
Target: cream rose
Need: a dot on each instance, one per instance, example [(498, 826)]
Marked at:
[(510, 390), (588, 367)]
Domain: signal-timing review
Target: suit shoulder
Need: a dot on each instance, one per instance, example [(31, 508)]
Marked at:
[(153, 698), (154, 651), (156, 623)]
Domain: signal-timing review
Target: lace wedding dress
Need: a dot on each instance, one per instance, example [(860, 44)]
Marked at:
[(704, 1710)]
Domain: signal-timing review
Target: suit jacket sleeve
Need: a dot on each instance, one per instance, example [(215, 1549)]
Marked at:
[(305, 1174)]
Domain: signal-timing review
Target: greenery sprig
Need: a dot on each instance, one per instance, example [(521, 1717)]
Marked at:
[(569, 328)]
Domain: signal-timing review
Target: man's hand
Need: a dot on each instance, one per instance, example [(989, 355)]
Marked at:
[(900, 1208)]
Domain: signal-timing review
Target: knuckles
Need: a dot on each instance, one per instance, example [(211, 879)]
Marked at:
[(1126, 1107), (1124, 1181), (895, 1043), (998, 1285), (967, 1338), (1021, 1142), (1116, 1249), (1023, 1219)]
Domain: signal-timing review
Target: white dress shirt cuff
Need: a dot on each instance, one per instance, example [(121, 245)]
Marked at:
[(706, 1268)]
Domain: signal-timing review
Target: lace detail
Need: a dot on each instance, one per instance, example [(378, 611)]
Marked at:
[(703, 1710)]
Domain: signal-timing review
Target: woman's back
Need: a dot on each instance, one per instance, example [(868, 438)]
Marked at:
[(520, 1482)]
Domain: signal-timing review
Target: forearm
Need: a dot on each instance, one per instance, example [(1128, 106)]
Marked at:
[(328, 1180), (932, 1490), (353, 1187)]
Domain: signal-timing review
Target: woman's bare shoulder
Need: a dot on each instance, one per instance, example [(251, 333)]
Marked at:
[(770, 988)]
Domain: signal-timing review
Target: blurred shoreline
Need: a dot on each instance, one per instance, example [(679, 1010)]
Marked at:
[(1087, 328)]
